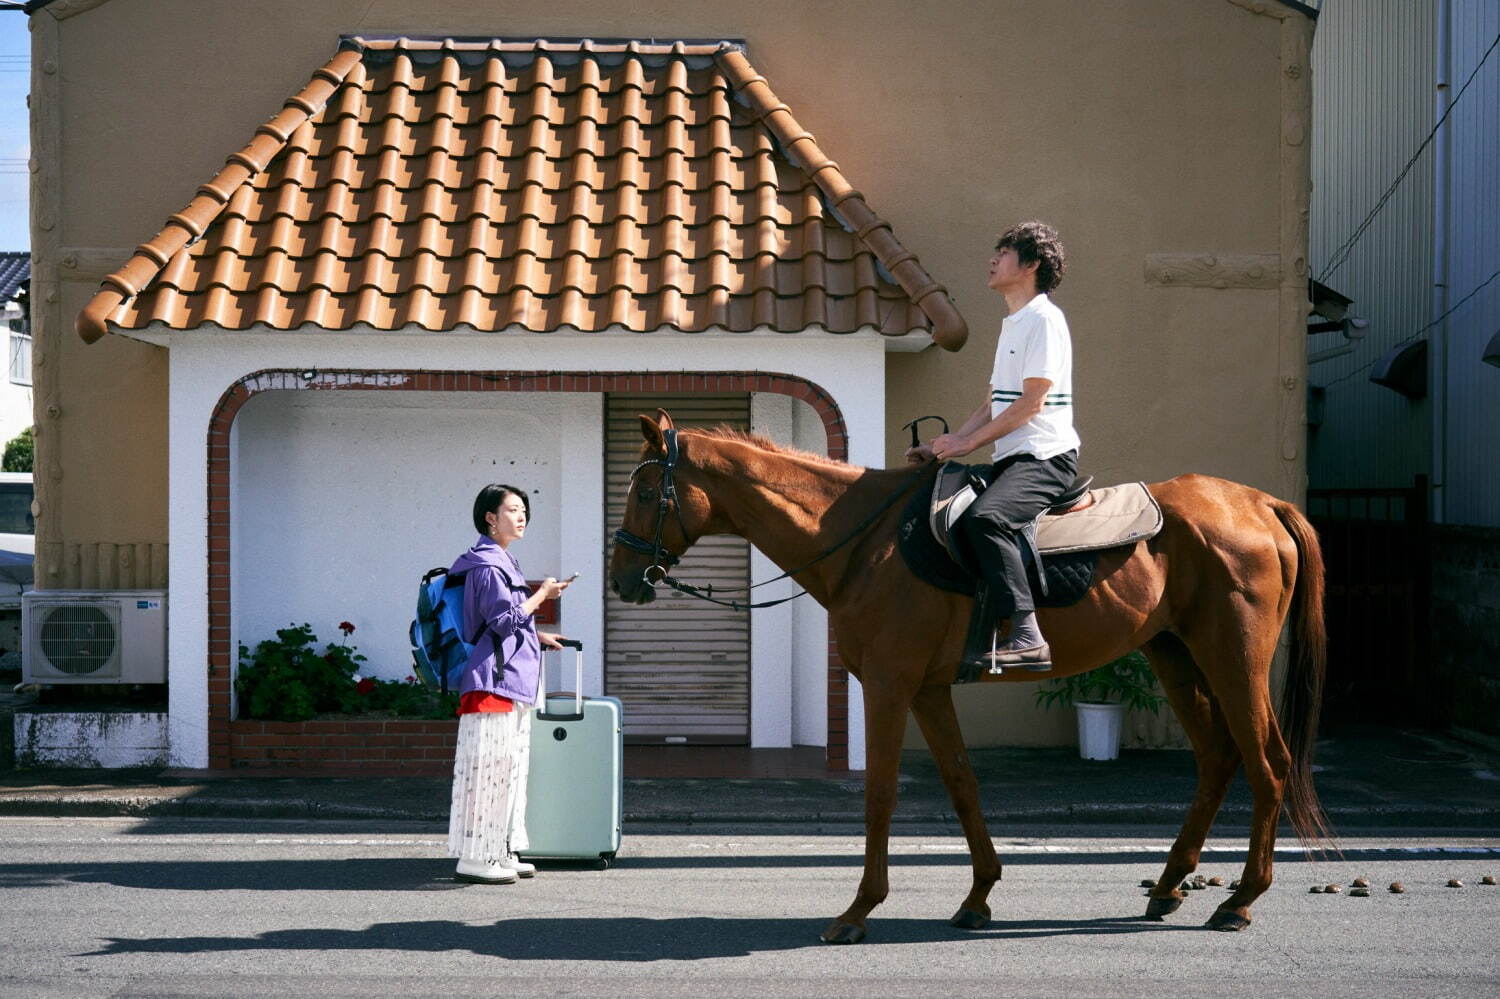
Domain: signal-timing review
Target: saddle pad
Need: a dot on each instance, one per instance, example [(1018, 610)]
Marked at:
[(1068, 576), (1119, 515)]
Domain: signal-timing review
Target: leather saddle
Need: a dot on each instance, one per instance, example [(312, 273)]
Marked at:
[(1119, 515)]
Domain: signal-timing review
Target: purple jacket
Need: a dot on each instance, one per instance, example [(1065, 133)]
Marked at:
[(507, 658)]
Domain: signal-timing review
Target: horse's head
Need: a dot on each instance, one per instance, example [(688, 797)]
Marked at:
[(666, 510)]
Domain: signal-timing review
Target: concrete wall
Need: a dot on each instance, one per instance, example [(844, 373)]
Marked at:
[(1167, 140), (343, 500), (1466, 624)]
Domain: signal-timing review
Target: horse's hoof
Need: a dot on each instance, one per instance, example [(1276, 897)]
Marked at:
[(843, 933), (968, 919), (1227, 921), (1158, 908)]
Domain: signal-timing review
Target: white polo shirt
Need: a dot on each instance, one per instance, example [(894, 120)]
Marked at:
[(1034, 343)]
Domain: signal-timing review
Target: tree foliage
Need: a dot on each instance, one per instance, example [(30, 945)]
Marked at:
[(18, 453)]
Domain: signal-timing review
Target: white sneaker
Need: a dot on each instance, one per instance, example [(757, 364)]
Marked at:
[(481, 873), (521, 867)]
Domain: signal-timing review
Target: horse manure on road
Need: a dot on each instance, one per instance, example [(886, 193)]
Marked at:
[(1333, 889), (1361, 883), (1397, 888), (1315, 890), (1217, 882), (1455, 883), (1488, 879), (1147, 883), (1359, 893)]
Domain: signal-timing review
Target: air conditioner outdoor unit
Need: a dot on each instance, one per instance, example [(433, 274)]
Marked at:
[(94, 636)]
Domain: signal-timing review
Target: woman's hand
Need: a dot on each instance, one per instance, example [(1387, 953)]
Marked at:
[(551, 589), (947, 446), (548, 639), (919, 455)]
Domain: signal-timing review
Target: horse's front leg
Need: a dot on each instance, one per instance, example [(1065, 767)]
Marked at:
[(933, 707), (885, 724)]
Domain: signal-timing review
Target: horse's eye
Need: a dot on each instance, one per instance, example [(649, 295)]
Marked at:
[(648, 495)]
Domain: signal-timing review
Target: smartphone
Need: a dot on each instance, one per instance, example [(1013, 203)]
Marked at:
[(572, 577)]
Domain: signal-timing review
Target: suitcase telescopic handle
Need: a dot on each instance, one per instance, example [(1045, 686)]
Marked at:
[(577, 691)]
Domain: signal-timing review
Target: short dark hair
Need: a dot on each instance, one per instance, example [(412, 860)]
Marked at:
[(489, 500), (1037, 243)]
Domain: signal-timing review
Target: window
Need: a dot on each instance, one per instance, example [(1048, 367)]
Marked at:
[(20, 357), (15, 508)]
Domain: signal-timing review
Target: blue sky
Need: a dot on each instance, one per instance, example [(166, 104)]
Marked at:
[(15, 131)]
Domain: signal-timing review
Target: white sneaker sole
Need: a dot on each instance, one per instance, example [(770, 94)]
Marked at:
[(475, 879)]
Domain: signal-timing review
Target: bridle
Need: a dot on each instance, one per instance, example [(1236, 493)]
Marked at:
[(662, 560)]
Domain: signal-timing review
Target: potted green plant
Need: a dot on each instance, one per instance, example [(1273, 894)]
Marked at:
[(1101, 697)]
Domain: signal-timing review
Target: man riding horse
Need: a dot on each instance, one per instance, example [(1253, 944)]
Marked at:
[(1029, 418)]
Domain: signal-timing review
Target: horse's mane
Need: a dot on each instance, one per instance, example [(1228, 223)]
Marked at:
[(726, 433)]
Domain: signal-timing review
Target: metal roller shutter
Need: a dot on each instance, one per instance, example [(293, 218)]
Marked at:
[(680, 666)]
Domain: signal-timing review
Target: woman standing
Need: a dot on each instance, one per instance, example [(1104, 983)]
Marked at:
[(487, 822)]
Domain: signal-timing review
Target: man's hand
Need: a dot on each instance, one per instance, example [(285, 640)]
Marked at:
[(548, 639), (946, 447), (919, 455)]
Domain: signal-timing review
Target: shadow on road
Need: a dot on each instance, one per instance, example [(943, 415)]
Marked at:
[(620, 939), (436, 874)]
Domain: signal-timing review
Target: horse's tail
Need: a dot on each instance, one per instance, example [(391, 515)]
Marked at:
[(1302, 697)]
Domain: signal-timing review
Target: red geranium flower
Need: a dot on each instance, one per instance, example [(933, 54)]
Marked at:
[(347, 628), (365, 686)]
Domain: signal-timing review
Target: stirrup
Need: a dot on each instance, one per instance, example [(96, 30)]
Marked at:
[(995, 668)]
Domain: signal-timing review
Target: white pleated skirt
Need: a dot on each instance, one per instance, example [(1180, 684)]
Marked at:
[(487, 821)]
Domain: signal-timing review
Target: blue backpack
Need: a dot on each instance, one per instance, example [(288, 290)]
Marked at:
[(437, 635)]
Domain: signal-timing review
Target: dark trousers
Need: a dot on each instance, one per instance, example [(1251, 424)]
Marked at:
[(1023, 487)]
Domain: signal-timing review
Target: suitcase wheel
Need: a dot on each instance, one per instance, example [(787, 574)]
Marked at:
[(605, 859)]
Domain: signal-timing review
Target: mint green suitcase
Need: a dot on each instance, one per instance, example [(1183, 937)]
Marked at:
[(573, 809)]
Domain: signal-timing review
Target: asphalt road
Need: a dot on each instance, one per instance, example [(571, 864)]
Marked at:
[(192, 907)]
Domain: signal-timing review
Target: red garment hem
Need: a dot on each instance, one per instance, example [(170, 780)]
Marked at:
[(477, 702)]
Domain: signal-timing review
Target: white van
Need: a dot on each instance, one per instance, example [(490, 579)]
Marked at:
[(17, 526)]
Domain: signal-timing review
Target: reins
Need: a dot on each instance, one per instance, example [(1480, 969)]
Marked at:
[(661, 559)]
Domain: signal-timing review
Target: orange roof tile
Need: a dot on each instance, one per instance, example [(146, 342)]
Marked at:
[(540, 184)]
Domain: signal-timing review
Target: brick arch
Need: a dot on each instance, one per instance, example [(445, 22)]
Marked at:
[(225, 746)]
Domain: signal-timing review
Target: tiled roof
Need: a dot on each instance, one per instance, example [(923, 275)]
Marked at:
[(15, 267), (489, 184)]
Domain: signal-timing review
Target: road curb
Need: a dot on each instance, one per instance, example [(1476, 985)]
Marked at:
[(192, 805)]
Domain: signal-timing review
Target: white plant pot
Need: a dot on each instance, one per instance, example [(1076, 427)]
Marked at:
[(1099, 730)]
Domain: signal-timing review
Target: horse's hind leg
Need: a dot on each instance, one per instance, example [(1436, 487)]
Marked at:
[(1237, 661), (933, 707), (1214, 750)]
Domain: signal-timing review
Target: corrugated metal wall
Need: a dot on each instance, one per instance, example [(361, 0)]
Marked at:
[(1473, 408), (1373, 70)]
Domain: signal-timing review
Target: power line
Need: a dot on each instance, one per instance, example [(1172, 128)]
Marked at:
[(1341, 255), (1360, 370)]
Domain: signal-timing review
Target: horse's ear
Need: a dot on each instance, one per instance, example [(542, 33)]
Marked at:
[(652, 433), (664, 420)]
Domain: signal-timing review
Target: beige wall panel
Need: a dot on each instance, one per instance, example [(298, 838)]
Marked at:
[(113, 430)]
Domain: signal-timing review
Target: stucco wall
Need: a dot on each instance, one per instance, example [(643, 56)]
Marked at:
[(343, 499), (1157, 127)]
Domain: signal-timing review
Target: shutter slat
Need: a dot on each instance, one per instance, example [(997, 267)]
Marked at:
[(680, 666)]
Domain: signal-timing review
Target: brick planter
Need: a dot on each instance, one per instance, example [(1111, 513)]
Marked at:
[(363, 747)]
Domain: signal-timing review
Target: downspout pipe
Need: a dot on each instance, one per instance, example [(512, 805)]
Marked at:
[(1437, 347)]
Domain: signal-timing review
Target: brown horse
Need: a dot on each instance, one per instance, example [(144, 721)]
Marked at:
[(1205, 599)]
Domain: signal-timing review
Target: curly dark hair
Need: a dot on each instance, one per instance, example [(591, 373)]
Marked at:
[(1037, 243)]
